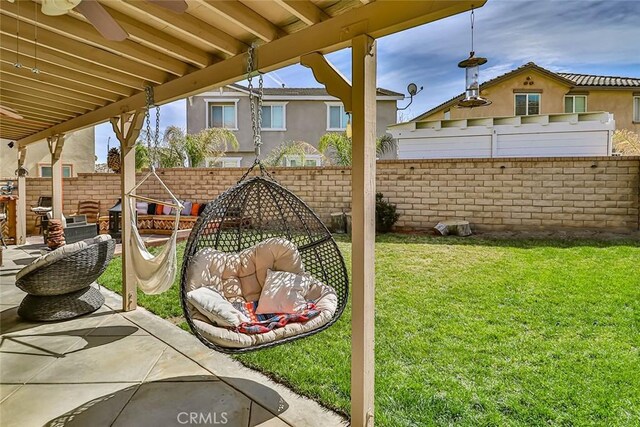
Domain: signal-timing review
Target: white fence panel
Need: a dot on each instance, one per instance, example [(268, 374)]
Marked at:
[(553, 135)]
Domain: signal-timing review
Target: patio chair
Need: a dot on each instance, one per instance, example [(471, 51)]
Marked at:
[(89, 208), (45, 204), (59, 283)]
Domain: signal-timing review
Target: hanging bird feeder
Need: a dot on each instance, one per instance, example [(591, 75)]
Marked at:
[(472, 68)]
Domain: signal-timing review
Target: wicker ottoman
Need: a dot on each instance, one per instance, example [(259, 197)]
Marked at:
[(59, 283)]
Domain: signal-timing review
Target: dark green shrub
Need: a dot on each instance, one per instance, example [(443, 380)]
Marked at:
[(386, 214)]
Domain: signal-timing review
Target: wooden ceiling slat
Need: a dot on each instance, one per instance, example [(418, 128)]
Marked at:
[(64, 65), (66, 94), (246, 18), (42, 91), (81, 31), (65, 74), (9, 70), (38, 117), (187, 25), (47, 104), (83, 51), (304, 10), (157, 40), (28, 109)]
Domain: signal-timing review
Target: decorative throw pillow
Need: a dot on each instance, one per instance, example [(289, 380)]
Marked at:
[(202, 208), (167, 210), (142, 207), (284, 292), (187, 208), (215, 307), (195, 207), (151, 209), (159, 209)]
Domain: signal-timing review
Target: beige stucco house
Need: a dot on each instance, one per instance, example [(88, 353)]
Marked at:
[(78, 156), (531, 90), (288, 114)]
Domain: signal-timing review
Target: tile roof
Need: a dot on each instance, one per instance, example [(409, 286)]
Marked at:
[(609, 81), (308, 91), (568, 78)]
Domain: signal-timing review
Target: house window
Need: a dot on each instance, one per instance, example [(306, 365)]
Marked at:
[(447, 115), (273, 117), (223, 162), (297, 161), (636, 109), (527, 104), (575, 103), (337, 118), (223, 115), (45, 171)]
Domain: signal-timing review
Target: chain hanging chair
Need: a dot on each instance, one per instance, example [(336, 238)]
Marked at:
[(258, 208)]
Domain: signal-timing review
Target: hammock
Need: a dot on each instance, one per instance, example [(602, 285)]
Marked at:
[(154, 274)]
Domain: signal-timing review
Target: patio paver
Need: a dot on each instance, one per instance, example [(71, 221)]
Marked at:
[(128, 369)]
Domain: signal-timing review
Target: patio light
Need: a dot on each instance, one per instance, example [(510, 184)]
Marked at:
[(472, 66)]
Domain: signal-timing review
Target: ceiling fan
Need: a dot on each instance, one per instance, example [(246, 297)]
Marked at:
[(10, 112), (98, 16)]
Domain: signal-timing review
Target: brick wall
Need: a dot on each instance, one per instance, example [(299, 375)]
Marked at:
[(524, 194)]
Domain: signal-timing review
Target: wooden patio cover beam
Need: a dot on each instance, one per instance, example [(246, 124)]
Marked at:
[(376, 19)]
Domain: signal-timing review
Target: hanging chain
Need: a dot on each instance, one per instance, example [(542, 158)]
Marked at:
[(256, 116), (472, 22), (17, 63), (35, 68), (150, 103)]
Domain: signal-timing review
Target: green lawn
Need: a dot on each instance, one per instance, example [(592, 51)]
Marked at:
[(480, 332)]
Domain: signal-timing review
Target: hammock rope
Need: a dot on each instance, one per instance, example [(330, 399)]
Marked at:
[(154, 274)]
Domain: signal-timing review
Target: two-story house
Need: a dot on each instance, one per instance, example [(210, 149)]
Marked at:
[(531, 90), (288, 114), (78, 156)]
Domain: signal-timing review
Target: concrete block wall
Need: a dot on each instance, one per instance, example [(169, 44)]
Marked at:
[(493, 194)]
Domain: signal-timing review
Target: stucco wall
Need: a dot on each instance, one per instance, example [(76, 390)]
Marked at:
[(306, 120), (598, 193), (78, 151), (619, 102)]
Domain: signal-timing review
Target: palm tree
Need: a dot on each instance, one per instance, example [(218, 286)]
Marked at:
[(214, 142), (291, 148), (341, 146), (179, 147)]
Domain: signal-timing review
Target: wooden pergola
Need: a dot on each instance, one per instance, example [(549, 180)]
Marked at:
[(85, 80)]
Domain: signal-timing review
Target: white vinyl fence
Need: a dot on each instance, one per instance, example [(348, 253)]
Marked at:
[(553, 135)]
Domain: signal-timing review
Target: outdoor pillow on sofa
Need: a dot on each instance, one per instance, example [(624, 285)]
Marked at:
[(186, 211), (241, 277), (215, 307)]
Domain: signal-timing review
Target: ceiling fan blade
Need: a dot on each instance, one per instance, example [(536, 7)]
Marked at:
[(177, 6), (101, 20), (10, 112)]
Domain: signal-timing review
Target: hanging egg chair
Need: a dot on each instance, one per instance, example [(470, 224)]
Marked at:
[(255, 210)]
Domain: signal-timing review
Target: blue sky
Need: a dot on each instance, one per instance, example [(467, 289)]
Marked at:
[(585, 36)]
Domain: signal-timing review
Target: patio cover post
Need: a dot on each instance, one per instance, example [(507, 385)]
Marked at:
[(56, 143), (363, 189), (127, 127), (21, 212)]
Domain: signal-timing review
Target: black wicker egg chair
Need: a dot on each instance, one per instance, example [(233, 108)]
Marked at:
[(255, 209)]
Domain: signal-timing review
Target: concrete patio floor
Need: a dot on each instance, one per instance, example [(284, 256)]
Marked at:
[(128, 369)]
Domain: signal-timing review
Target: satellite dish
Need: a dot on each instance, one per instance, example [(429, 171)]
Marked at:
[(412, 89)]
